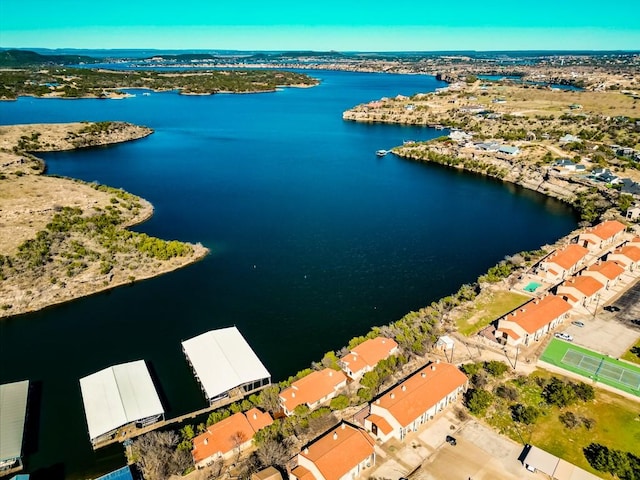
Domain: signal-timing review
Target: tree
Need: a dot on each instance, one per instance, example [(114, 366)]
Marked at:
[(156, 455), (269, 399), (507, 392), (556, 392), (569, 419), (524, 414), (275, 452), (584, 392), (478, 400), (496, 368), (339, 403)]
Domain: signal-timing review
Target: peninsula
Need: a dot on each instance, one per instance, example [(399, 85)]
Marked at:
[(61, 239)]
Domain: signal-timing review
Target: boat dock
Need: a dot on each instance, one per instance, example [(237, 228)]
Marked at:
[(130, 431)]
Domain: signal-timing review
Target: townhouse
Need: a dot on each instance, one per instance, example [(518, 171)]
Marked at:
[(313, 390), (365, 357)]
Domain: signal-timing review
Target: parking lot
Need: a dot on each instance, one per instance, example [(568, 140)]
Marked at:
[(629, 305), (608, 332), (479, 453)]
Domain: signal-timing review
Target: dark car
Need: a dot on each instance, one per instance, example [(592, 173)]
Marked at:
[(612, 308), (450, 440)]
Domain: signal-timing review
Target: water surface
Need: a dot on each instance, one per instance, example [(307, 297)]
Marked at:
[(314, 240)]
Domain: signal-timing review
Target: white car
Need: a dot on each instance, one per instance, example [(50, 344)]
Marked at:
[(564, 336)]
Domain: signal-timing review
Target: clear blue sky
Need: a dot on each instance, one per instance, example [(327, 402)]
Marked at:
[(327, 25)]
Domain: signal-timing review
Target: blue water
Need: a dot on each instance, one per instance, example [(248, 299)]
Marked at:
[(314, 240)]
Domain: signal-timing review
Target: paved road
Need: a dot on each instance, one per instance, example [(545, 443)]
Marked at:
[(629, 305)]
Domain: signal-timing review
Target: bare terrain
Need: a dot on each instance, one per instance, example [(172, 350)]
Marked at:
[(61, 239)]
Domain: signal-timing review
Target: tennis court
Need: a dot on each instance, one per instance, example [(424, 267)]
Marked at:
[(593, 365)]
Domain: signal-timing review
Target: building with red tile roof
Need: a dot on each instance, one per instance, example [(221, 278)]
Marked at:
[(627, 257), (532, 321), (343, 453), (608, 273), (562, 263), (231, 435), (312, 390), (602, 235), (365, 357), (415, 401), (580, 290)]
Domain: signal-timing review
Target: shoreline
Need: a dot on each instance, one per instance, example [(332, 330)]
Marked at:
[(33, 200)]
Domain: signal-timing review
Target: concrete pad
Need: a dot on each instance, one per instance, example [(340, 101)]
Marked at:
[(436, 431), (413, 455), (603, 334), (389, 469)]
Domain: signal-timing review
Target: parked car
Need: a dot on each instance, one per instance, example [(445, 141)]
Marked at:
[(612, 308), (564, 336), (578, 324), (450, 440)]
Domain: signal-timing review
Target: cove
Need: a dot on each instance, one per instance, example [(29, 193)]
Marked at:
[(314, 240)]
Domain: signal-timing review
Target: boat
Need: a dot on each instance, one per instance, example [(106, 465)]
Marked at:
[(381, 153)]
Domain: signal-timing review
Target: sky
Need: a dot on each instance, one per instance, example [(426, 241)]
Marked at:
[(343, 25)]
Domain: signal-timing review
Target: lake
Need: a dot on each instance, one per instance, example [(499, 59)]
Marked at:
[(314, 240)]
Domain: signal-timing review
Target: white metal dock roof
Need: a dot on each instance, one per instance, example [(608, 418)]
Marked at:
[(118, 395), (13, 413), (222, 360)]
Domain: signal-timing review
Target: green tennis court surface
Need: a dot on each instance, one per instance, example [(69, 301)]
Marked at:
[(593, 365)]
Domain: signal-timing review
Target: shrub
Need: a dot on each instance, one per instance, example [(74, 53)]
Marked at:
[(478, 400)]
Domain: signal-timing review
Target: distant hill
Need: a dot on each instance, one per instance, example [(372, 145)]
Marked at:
[(24, 58)]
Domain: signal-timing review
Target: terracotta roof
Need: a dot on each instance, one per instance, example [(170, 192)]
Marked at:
[(223, 436), (510, 332), (380, 422), (258, 419), (537, 313), (609, 269), (568, 256), (354, 362), (421, 391), (339, 450), (302, 473), (630, 251), (608, 229), (586, 285), (311, 388), (269, 473), (369, 353), (570, 297)]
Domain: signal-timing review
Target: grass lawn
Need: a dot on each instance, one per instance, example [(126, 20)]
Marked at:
[(617, 423), (556, 350), (487, 308), (629, 356)]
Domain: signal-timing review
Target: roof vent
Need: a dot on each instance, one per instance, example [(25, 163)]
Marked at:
[(306, 451), (206, 441), (393, 395), (335, 435), (438, 360), (343, 426), (293, 394), (423, 375), (433, 367), (378, 402), (404, 388), (255, 416), (331, 373)]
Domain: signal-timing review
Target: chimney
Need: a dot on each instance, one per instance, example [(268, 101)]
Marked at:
[(433, 368), (343, 426), (404, 388), (335, 435), (423, 375), (393, 395), (378, 402), (206, 441), (293, 394), (331, 373), (255, 416), (306, 451), (438, 360)]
